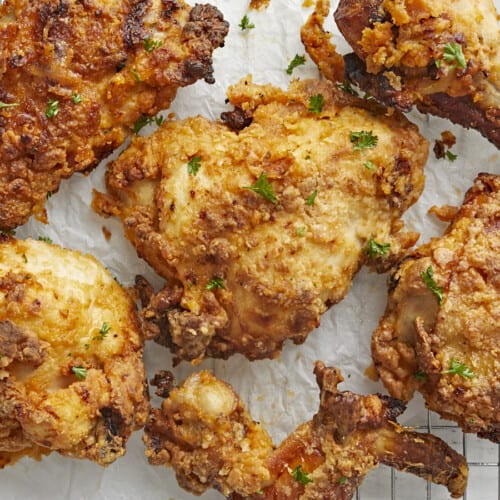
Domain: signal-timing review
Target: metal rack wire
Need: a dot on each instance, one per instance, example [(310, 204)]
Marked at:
[(491, 465)]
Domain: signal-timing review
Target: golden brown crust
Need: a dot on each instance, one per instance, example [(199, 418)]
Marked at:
[(71, 373), (400, 57), (196, 228), (198, 433), (417, 338), (53, 51)]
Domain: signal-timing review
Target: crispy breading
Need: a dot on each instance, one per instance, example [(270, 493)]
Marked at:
[(71, 373), (204, 433), (76, 76), (246, 272), (419, 340), (442, 56)]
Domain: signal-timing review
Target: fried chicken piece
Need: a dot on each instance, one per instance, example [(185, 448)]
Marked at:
[(441, 56), (203, 432), (77, 77), (259, 231), (71, 373), (440, 333)]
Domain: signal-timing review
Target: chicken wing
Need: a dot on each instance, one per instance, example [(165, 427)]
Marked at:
[(441, 56), (71, 373), (76, 78), (259, 230), (204, 433), (441, 330)]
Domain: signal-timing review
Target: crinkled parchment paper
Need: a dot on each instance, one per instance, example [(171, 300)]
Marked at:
[(280, 393)]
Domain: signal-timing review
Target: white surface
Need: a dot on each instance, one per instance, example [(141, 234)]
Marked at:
[(281, 394)]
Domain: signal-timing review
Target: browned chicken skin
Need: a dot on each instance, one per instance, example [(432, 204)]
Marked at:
[(204, 433), (76, 76), (247, 270), (71, 373), (441, 56), (441, 330)]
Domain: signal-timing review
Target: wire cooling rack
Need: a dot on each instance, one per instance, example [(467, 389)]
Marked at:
[(482, 455)]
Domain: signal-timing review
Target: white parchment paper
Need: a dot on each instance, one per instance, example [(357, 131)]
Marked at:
[(281, 393)]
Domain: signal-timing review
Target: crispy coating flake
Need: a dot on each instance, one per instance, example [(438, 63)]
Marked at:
[(76, 75), (259, 230), (419, 341), (442, 56), (203, 432), (71, 373)]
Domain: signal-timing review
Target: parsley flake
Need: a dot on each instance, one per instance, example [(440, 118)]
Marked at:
[(312, 198), (296, 61), (8, 105), (263, 187), (194, 164), (105, 328), (136, 75), (347, 87), (48, 195), (450, 156), (80, 372), (453, 54), (363, 140), (25, 259), (369, 165), (300, 476), (144, 120), (457, 368), (76, 98), (245, 23), (215, 283), (428, 278), (45, 238), (150, 45), (343, 480), (300, 231), (373, 248), (316, 103), (420, 376), (52, 108)]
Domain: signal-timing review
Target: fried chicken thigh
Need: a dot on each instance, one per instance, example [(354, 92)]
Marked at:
[(260, 226), (441, 56), (71, 373), (440, 333), (204, 433), (76, 76)]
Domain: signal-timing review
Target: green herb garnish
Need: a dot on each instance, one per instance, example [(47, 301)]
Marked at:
[(245, 23), (450, 156), (296, 61), (215, 283), (311, 198), (453, 54), (421, 376), (316, 103), (428, 278), (194, 165), (150, 45), (369, 165), (136, 75), (300, 476), (347, 87), (45, 238), (300, 231), (8, 105), (363, 140), (458, 368), (76, 98), (52, 108), (80, 372), (263, 187), (373, 248), (103, 331), (343, 480)]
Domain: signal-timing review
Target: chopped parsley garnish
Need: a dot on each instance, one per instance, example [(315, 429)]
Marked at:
[(373, 248), (52, 108), (80, 372), (369, 165), (311, 198), (263, 187), (296, 61), (25, 259), (48, 195), (215, 283), (245, 23), (458, 368), (428, 278), (300, 231), (8, 105), (194, 165), (150, 45), (421, 376), (76, 98), (363, 140), (136, 75), (144, 120), (316, 103), (347, 87), (45, 238), (343, 480), (300, 476), (450, 156), (103, 331), (453, 54)]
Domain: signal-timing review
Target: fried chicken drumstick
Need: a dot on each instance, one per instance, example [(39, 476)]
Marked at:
[(440, 333), (442, 56), (260, 226), (71, 373), (203, 431), (77, 77)]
